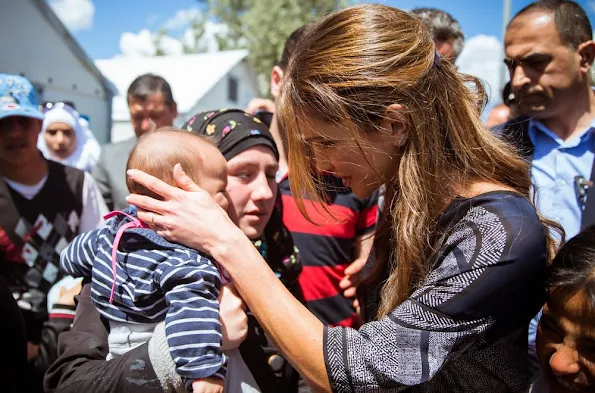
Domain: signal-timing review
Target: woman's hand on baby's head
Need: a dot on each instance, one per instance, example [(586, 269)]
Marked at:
[(187, 215)]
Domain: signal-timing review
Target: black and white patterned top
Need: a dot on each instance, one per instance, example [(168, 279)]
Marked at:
[(465, 328)]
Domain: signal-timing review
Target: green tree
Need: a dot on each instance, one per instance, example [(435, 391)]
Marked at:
[(157, 41), (197, 25), (262, 26), (229, 13)]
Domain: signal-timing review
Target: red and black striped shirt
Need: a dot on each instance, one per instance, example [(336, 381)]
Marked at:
[(327, 249)]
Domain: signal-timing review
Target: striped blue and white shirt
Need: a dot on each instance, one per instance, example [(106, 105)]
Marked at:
[(155, 280)]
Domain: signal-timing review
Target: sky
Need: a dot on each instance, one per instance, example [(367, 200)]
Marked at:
[(108, 28)]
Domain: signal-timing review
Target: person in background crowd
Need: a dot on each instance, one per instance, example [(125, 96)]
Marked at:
[(498, 115), (501, 113), (333, 250), (461, 252), (566, 333), (251, 153), (445, 30), (66, 138), (43, 206), (549, 51), (151, 104)]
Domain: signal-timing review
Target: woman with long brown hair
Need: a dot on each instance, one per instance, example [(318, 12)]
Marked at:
[(461, 252)]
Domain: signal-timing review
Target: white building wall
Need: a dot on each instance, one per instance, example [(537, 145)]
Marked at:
[(217, 97), (39, 53)]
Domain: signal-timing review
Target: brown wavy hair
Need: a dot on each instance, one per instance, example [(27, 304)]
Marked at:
[(346, 70)]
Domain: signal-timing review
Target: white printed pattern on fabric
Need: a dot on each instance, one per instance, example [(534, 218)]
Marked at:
[(415, 325)]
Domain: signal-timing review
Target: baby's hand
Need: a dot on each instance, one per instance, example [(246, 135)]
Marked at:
[(208, 385)]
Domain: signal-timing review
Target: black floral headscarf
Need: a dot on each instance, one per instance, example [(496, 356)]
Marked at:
[(233, 131)]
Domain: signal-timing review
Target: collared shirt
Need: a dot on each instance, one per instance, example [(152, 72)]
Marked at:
[(555, 166)]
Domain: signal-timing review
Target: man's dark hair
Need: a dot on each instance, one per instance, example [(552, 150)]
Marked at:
[(442, 26), (148, 84), (573, 269), (570, 18), (289, 46)]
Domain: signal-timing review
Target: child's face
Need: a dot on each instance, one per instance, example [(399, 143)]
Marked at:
[(214, 176), (566, 342)]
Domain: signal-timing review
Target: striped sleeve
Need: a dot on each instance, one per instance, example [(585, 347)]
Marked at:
[(192, 324), (77, 258)]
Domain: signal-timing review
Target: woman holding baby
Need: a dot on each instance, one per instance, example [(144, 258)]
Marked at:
[(251, 198), (368, 98)]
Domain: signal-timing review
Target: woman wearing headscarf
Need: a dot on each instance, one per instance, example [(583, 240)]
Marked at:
[(252, 161), (252, 158), (66, 138)]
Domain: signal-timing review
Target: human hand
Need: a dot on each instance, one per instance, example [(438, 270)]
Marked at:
[(208, 385), (66, 297), (353, 276), (187, 215), (260, 104), (234, 321), (32, 351)]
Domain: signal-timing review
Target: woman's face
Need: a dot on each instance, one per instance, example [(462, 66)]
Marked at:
[(60, 139), (252, 188), (362, 168), (566, 342)]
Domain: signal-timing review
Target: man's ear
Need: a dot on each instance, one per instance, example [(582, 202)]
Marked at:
[(398, 126), (586, 51), (276, 79)]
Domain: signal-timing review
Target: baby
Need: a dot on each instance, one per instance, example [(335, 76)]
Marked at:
[(140, 279)]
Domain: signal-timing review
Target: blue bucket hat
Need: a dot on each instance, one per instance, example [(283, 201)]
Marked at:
[(17, 97)]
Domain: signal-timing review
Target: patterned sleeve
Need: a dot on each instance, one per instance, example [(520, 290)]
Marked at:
[(77, 258), (366, 221), (487, 263), (192, 324)]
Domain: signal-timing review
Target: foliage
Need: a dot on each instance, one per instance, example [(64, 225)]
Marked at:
[(197, 26), (262, 26), (158, 39)]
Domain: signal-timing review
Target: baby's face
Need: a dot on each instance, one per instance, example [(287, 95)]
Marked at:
[(214, 178)]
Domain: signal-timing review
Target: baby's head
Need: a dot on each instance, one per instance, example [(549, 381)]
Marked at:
[(158, 151)]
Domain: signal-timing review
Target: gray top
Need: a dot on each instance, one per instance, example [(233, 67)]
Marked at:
[(465, 328)]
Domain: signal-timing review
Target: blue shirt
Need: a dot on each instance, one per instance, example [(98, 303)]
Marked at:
[(555, 165)]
